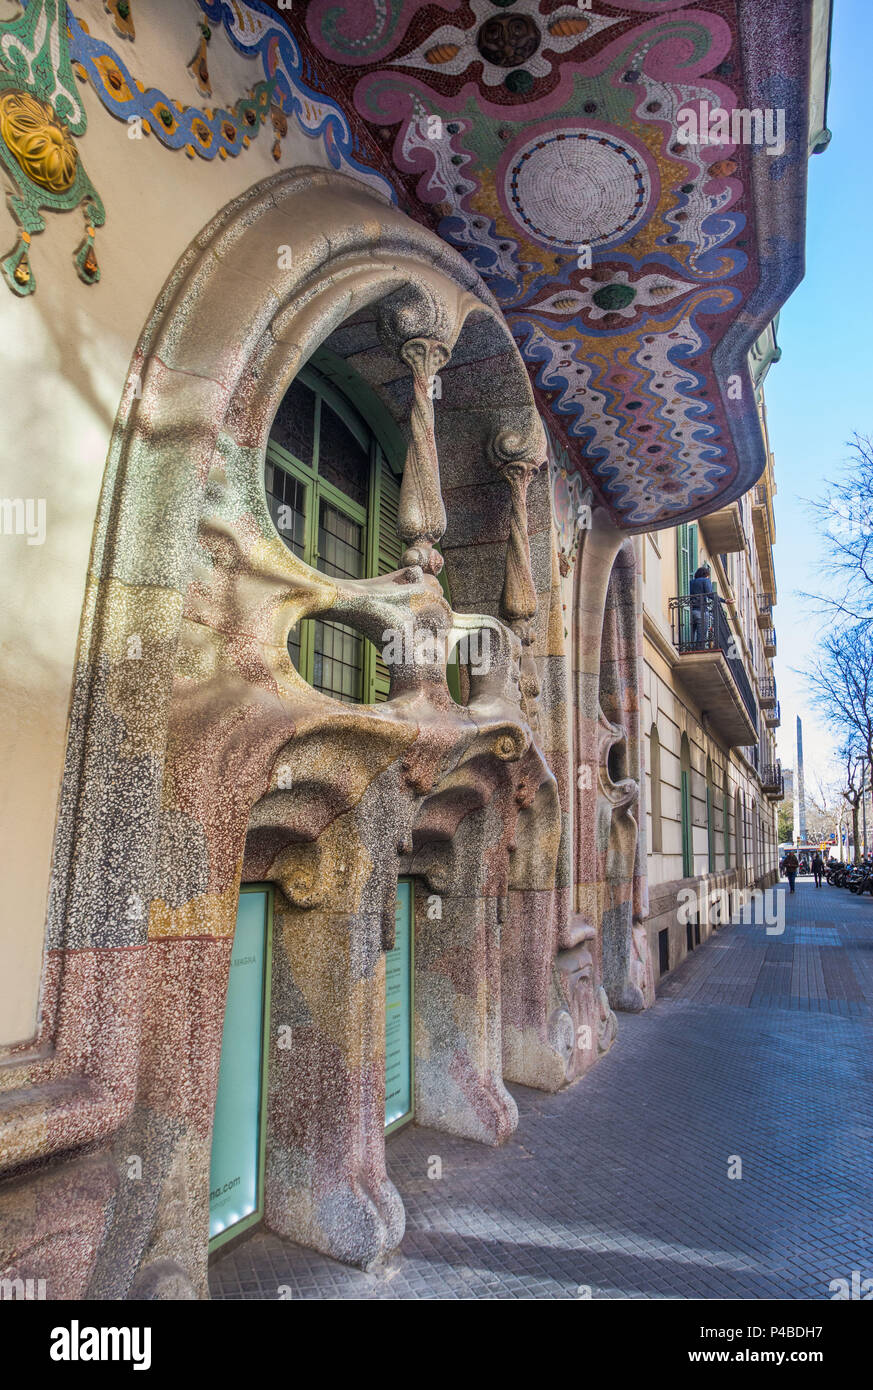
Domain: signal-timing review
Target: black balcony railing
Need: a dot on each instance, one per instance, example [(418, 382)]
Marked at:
[(699, 625), (772, 779), (767, 689)]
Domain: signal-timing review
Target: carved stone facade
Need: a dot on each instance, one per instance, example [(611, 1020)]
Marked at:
[(212, 762), (197, 757)]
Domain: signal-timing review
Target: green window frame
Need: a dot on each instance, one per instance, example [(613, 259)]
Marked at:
[(328, 529), (314, 645), (686, 554), (687, 855), (710, 829), (685, 809), (686, 564)]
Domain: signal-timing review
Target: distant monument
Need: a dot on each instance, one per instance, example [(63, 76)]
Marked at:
[(799, 797)]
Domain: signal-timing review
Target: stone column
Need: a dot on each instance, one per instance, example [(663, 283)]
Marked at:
[(518, 454), (421, 514), (419, 328)]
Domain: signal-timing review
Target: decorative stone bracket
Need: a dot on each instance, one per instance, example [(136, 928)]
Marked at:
[(518, 453), (421, 517)]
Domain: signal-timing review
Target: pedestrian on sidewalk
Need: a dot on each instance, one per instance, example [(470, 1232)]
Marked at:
[(790, 865), (817, 868)]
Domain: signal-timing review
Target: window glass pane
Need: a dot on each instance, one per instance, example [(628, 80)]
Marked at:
[(338, 667), (341, 459), (340, 544), (286, 499), (294, 425), (294, 646)]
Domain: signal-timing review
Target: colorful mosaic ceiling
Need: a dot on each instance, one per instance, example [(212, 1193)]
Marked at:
[(525, 133), (541, 140)]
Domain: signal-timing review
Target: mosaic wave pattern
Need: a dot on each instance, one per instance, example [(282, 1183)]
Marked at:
[(529, 132)]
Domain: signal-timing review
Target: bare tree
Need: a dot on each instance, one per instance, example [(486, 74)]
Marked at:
[(853, 790), (841, 683), (845, 517), (824, 811)]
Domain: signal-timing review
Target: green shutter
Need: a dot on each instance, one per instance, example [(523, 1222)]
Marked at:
[(387, 550), (687, 849), (686, 551), (682, 561)]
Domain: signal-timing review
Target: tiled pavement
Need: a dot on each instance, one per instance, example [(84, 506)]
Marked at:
[(758, 1046)]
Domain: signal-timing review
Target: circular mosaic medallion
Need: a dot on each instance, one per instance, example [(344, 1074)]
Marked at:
[(574, 187), (508, 40)]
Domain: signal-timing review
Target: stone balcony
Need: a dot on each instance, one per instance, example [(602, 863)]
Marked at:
[(773, 782), (723, 530), (766, 602), (710, 668)]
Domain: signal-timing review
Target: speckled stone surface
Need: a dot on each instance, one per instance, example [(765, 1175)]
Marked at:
[(198, 757)]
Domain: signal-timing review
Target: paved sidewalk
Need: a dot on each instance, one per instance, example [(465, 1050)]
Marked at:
[(758, 1047)]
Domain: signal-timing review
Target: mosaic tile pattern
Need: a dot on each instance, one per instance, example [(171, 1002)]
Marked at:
[(499, 126)]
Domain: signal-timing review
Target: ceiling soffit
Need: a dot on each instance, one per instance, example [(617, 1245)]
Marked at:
[(527, 132)]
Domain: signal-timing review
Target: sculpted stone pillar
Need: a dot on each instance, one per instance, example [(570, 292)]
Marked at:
[(416, 325), (518, 454), (421, 515)]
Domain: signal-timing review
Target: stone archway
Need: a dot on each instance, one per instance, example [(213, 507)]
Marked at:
[(610, 830), (192, 733)]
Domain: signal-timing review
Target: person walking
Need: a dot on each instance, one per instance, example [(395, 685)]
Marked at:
[(817, 868), (701, 592), (790, 864)]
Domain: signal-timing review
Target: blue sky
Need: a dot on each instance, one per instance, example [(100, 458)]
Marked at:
[(821, 392)]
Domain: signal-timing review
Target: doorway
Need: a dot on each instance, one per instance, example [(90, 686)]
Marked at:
[(236, 1175), (236, 1179), (399, 1012)]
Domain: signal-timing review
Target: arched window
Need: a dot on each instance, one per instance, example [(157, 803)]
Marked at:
[(726, 811), (655, 789), (333, 498), (685, 794), (710, 816)]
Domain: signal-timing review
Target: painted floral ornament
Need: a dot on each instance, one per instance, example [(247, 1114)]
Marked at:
[(41, 116), (198, 66), (38, 141), (122, 16), (85, 257)]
